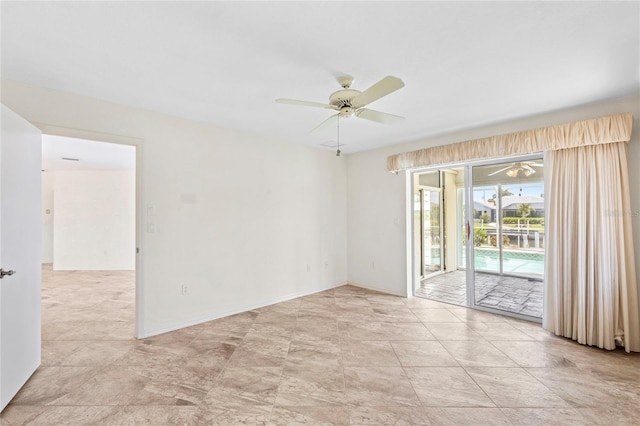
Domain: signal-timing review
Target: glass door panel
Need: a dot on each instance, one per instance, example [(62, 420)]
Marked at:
[(508, 236), (431, 230), (439, 237)]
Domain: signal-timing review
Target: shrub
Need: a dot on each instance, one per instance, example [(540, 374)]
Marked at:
[(479, 237), (505, 241), (531, 220)]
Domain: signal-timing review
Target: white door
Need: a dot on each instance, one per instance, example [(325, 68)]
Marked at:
[(20, 251)]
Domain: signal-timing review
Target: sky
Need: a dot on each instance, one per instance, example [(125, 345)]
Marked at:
[(486, 192)]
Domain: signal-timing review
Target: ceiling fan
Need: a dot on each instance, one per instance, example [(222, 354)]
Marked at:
[(514, 169), (350, 102)]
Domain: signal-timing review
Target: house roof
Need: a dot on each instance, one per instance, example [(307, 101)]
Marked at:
[(514, 201), (485, 205), (464, 64)]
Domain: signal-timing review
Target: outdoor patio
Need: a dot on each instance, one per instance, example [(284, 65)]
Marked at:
[(517, 295)]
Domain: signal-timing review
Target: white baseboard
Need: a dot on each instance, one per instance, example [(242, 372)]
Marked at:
[(239, 310), (381, 290), (84, 268)]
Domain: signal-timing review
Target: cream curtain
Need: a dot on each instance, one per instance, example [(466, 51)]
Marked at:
[(613, 128), (591, 292)]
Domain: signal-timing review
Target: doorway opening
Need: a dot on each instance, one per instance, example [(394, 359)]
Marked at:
[(438, 233), (89, 240), (478, 235)]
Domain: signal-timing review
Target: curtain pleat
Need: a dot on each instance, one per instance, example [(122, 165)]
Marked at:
[(590, 278), (614, 128)]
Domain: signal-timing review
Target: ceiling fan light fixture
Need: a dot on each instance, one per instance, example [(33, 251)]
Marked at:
[(515, 168)]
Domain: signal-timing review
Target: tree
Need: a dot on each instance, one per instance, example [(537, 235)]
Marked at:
[(485, 218), (504, 192), (525, 210)]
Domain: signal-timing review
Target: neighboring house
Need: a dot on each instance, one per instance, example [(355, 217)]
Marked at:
[(480, 207), (511, 203)]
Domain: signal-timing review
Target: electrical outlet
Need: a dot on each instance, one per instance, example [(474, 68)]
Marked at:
[(185, 290)]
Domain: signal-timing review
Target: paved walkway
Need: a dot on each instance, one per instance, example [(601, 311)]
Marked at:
[(517, 295)]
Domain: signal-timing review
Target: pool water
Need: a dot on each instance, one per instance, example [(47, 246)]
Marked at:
[(514, 262)]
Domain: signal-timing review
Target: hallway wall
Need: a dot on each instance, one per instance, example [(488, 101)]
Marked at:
[(47, 217), (241, 220), (94, 220)]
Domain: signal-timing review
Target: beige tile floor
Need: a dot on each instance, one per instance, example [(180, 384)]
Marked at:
[(344, 356)]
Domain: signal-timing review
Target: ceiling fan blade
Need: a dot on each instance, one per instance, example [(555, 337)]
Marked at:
[(326, 123), (304, 103), (536, 164), (382, 88), (528, 167), (499, 171), (380, 117)]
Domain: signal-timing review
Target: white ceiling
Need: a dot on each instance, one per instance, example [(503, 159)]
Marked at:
[(464, 63), (90, 155)]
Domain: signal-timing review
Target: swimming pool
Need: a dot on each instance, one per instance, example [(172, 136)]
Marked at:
[(519, 262)]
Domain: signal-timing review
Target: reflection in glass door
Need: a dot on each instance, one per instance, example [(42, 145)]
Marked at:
[(431, 231), (508, 236), (439, 243)]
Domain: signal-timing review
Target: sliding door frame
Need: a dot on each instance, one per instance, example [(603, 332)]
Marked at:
[(470, 249)]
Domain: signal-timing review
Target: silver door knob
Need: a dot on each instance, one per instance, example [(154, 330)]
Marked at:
[(3, 273)]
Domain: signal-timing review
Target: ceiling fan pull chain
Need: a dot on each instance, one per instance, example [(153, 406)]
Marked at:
[(338, 151)]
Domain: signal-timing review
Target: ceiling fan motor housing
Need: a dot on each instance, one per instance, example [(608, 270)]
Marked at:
[(342, 101)]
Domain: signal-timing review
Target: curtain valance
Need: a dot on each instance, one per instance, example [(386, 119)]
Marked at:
[(609, 129)]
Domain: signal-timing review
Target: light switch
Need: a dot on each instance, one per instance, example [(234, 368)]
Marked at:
[(151, 228), (151, 210)]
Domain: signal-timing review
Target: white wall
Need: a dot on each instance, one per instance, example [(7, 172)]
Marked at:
[(376, 223), (47, 217), (94, 222), (243, 221), (377, 204)]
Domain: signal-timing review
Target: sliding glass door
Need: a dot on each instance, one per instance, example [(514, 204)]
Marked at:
[(479, 235), (508, 236)]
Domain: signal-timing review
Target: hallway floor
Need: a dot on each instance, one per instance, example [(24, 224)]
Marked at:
[(511, 294), (343, 356)]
